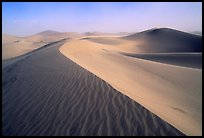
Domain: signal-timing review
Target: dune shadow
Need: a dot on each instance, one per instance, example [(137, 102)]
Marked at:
[(192, 60)]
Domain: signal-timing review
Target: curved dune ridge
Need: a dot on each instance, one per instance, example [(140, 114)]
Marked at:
[(48, 94), (13, 46), (165, 87)]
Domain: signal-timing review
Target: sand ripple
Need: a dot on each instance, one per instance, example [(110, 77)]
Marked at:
[(48, 94)]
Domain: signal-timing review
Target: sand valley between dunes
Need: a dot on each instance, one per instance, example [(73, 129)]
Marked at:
[(171, 91)]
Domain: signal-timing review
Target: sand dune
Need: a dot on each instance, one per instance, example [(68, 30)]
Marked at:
[(149, 41), (166, 40), (18, 47), (147, 83), (6, 39), (15, 46), (174, 93), (48, 94)]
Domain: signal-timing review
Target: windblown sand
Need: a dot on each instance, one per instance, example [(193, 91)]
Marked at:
[(46, 93), (172, 91)]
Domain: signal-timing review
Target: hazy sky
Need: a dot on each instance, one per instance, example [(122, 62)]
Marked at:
[(27, 18)]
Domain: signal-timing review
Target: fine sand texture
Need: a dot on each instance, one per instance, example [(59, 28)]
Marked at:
[(47, 94), (170, 89)]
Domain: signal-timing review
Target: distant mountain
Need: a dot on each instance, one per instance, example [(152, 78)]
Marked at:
[(167, 40), (51, 33), (93, 33), (125, 33), (49, 36), (96, 33), (48, 32)]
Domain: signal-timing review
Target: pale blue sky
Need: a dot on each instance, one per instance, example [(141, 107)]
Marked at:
[(27, 18)]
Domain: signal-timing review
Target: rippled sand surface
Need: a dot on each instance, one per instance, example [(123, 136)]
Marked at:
[(48, 94)]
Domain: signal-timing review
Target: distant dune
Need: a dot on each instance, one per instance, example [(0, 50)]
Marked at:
[(6, 39), (165, 40), (13, 46), (161, 40)]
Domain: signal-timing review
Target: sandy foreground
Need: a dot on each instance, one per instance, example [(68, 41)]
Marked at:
[(45, 93), (168, 89)]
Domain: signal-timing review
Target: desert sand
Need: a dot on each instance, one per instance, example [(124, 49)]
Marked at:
[(46, 94), (148, 83), (168, 88), (13, 46)]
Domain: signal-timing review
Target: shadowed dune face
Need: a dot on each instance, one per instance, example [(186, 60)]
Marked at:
[(192, 60), (167, 41)]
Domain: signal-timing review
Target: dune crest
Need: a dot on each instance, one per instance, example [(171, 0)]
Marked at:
[(174, 93), (13, 46)]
